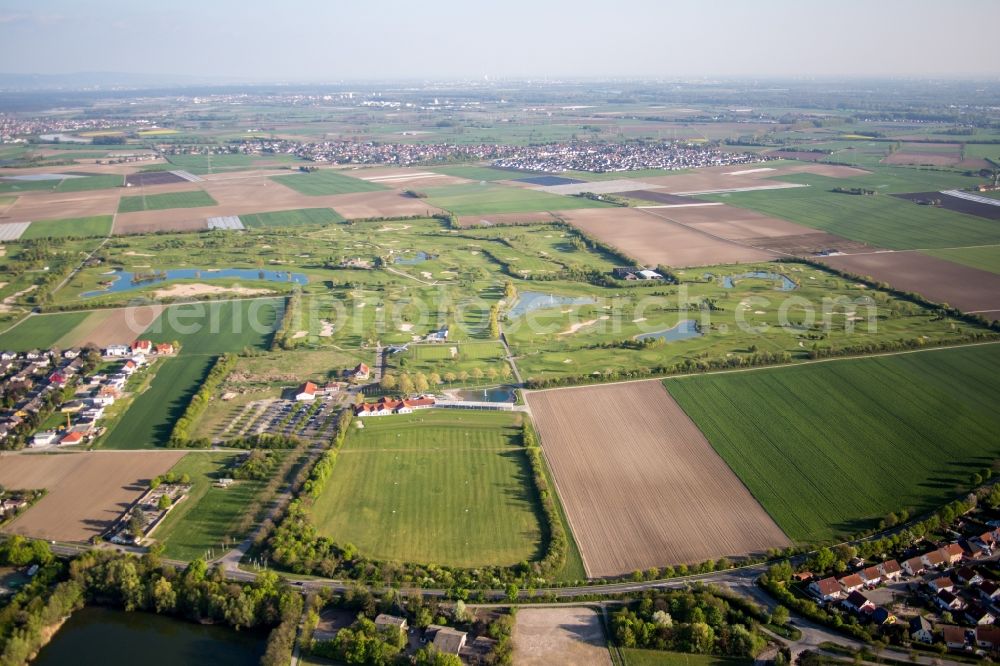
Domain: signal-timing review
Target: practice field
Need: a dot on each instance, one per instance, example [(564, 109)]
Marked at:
[(326, 181), (79, 227), (641, 485), (40, 331), (485, 199), (167, 200), (292, 218), (438, 486), (569, 635), (87, 492), (654, 240), (941, 281), (831, 448), (208, 515)]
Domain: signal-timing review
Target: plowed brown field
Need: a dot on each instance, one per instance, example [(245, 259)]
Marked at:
[(641, 485), (87, 492)]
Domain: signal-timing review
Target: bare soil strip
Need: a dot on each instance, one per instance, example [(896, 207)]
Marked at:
[(641, 485), (571, 635)]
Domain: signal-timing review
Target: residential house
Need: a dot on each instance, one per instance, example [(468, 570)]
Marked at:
[(440, 335), (858, 603), (977, 614), (383, 620), (948, 601), (71, 438), (968, 576), (953, 553), (954, 637), (882, 616), (163, 348), (44, 438), (852, 583), (891, 570), (360, 373), (8, 356), (989, 591), (70, 353), (988, 637), (117, 351), (914, 566), (872, 576), (935, 558), (144, 346), (305, 392), (827, 589), (448, 640), (921, 630), (942, 584)]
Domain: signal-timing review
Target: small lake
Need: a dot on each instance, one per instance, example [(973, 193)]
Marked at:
[(786, 283), (127, 281), (495, 394), (528, 301), (110, 637), (418, 258), (682, 331)]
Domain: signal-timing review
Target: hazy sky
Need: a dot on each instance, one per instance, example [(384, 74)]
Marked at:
[(390, 39)]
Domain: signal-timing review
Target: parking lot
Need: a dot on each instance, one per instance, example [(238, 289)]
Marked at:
[(315, 420)]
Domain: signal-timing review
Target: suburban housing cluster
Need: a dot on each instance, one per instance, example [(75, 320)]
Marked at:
[(603, 158)]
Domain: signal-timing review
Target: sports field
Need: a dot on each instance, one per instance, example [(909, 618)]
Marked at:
[(483, 199), (80, 227), (326, 181), (40, 331), (831, 448), (292, 218), (190, 199), (438, 486), (208, 515)]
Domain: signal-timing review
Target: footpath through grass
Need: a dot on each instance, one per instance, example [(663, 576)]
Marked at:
[(438, 486), (208, 515), (831, 448)]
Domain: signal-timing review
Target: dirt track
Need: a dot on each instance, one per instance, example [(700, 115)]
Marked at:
[(87, 492), (640, 483)]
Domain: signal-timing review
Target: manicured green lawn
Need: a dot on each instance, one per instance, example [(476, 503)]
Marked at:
[(80, 227), (326, 181), (218, 327), (191, 199), (831, 448), (986, 258), (439, 486), (40, 331), (208, 515), (640, 657), (292, 218), (480, 199)]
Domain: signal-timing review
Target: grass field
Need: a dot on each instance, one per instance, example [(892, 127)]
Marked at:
[(881, 220), (438, 486), (488, 174), (479, 199), (208, 515), (640, 657), (326, 181), (191, 199), (90, 183), (985, 258), (80, 227), (831, 448), (150, 418), (218, 327), (292, 218), (40, 332)]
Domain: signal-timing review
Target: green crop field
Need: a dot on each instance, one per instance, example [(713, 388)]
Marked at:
[(150, 418), (190, 199), (881, 220), (218, 327), (488, 174), (40, 331), (80, 227), (207, 515), (986, 257), (438, 486), (326, 181), (292, 218), (831, 448), (479, 199), (7, 186), (90, 183)]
